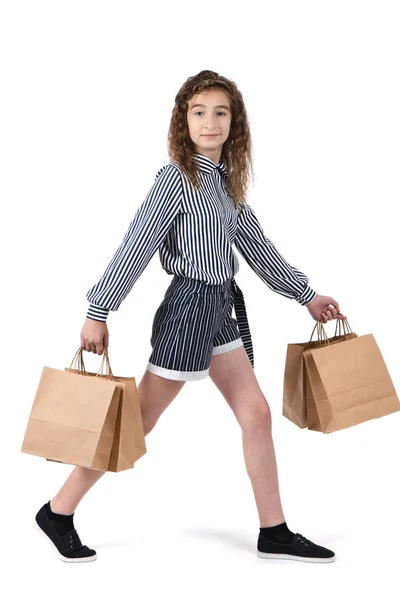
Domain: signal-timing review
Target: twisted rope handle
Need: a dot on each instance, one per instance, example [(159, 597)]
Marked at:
[(322, 337), (81, 365), (339, 322)]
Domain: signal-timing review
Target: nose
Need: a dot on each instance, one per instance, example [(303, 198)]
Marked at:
[(209, 125)]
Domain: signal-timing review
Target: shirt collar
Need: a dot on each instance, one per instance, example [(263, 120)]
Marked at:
[(206, 165)]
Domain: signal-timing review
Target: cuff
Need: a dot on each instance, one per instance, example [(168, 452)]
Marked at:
[(306, 296), (97, 313)]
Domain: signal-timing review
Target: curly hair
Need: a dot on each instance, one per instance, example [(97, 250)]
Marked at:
[(237, 149)]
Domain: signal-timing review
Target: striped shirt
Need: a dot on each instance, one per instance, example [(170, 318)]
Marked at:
[(194, 231)]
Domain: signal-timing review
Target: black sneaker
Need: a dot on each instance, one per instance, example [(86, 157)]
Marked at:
[(300, 549), (69, 546)]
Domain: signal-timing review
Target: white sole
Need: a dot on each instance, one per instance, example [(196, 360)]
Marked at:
[(293, 557), (54, 548)]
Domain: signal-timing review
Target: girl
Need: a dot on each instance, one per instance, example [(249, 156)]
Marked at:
[(193, 213)]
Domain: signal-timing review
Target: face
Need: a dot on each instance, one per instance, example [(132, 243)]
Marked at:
[(209, 113)]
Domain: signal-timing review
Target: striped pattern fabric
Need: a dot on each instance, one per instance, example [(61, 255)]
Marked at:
[(243, 325), (194, 232), (193, 323)]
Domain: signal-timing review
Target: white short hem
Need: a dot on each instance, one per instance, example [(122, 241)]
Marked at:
[(177, 375), (226, 347)]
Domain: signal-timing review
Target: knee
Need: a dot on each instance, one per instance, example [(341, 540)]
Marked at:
[(258, 416)]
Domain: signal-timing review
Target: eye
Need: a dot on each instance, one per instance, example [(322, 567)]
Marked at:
[(219, 113)]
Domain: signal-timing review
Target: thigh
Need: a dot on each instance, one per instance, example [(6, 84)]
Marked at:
[(155, 394), (234, 376)]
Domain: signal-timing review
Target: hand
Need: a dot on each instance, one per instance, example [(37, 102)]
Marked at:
[(94, 336), (325, 308)]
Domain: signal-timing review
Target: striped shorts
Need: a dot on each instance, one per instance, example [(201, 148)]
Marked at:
[(193, 323)]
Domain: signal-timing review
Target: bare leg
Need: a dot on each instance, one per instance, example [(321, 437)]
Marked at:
[(155, 394), (78, 483), (233, 375), (260, 460)]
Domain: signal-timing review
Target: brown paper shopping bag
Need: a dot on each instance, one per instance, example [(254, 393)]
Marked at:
[(350, 384), (297, 393), (72, 419), (129, 440), (76, 417)]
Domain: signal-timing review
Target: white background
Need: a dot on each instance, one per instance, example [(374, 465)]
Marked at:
[(87, 94)]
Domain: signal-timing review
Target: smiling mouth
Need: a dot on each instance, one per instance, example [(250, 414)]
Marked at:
[(210, 134)]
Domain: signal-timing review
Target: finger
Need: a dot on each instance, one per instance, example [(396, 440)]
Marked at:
[(335, 304), (333, 312), (329, 314)]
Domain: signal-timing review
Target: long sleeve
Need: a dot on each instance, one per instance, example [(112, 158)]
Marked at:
[(262, 256), (145, 234)]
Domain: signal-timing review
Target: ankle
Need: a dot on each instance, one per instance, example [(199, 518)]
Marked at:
[(61, 507), (278, 533), (272, 521)]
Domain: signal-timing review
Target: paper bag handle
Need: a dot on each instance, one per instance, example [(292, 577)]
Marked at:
[(343, 322), (81, 365), (339, 322), (321, 332)]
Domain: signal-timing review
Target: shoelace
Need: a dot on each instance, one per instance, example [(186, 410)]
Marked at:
[(303, 540)]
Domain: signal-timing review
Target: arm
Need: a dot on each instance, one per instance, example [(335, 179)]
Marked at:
[(262, 256), (146, 231)]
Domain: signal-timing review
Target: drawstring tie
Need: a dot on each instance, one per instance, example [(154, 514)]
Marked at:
[(241, 315)]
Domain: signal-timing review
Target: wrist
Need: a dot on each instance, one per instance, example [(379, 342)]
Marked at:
[(316, 296)]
